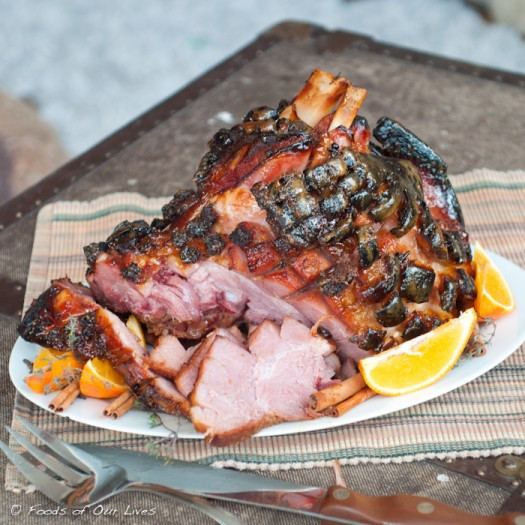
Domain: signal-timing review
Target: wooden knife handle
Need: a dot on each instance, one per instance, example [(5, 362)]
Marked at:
[(405, 509)]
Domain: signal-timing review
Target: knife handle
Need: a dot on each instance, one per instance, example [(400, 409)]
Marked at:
[(343, 503)]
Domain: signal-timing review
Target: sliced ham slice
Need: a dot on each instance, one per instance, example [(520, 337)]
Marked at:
[(224, 405), (168, 356), (290, 366), (240, 391), (187, 375)]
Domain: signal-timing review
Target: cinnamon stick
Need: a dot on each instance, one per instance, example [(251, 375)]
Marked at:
[(120, 405), (66, 397), (334, 394), (122, 409), (351, 402)]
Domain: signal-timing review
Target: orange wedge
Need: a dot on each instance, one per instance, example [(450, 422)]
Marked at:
[(494, 298), (421, 361), (135, 328), (99, 380)]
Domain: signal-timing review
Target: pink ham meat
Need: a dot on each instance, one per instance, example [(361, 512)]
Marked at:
[(239, 391), (224, 405), (187, 375), (168, 356), (211, 280)]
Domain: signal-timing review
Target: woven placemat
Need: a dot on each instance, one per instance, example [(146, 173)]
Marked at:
[(485, 417)]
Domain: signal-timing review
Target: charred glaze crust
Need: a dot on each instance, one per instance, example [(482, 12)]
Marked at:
[(370, 340), (202, 224), (399, 142), (241, 236), (391, 267), (367, 246), (417, 324), (190, 254), (132, 272), (179, 237), (44, 325), (466, 288), (417, 283), (181, 202), (215, 243), (449, 294), (93, 250), (37, 320), (392, 313), (127, 235)]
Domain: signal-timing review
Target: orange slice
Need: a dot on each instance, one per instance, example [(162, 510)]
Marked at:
[(46, 357), (99, 380), (135, 328), (66, 368), (40, 380), (494, 297), (53, 370), (421, 361)]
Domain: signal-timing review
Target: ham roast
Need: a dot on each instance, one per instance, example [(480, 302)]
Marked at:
[(301, 216)]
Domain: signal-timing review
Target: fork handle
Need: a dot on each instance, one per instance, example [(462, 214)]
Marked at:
[(343, 503), (218, 514)]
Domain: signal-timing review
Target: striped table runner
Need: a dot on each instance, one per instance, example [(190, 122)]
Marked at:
[(485, 417)]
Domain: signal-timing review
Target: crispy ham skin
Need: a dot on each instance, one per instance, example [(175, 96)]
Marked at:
[(60, 317), (302, 216)]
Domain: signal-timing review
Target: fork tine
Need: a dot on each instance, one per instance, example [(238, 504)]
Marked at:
[(49, 486), (69, 474), (55, 444)]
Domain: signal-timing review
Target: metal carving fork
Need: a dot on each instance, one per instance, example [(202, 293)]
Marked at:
[(90, 474), (84, 478)]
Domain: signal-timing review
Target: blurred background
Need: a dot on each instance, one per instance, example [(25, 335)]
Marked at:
[(73, 71)]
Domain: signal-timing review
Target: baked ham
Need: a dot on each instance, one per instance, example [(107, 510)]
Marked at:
[(61, 318), (302, 218), (298, 213), (189, 371)]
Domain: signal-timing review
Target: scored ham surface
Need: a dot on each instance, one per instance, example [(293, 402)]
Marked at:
[(301, 216)]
